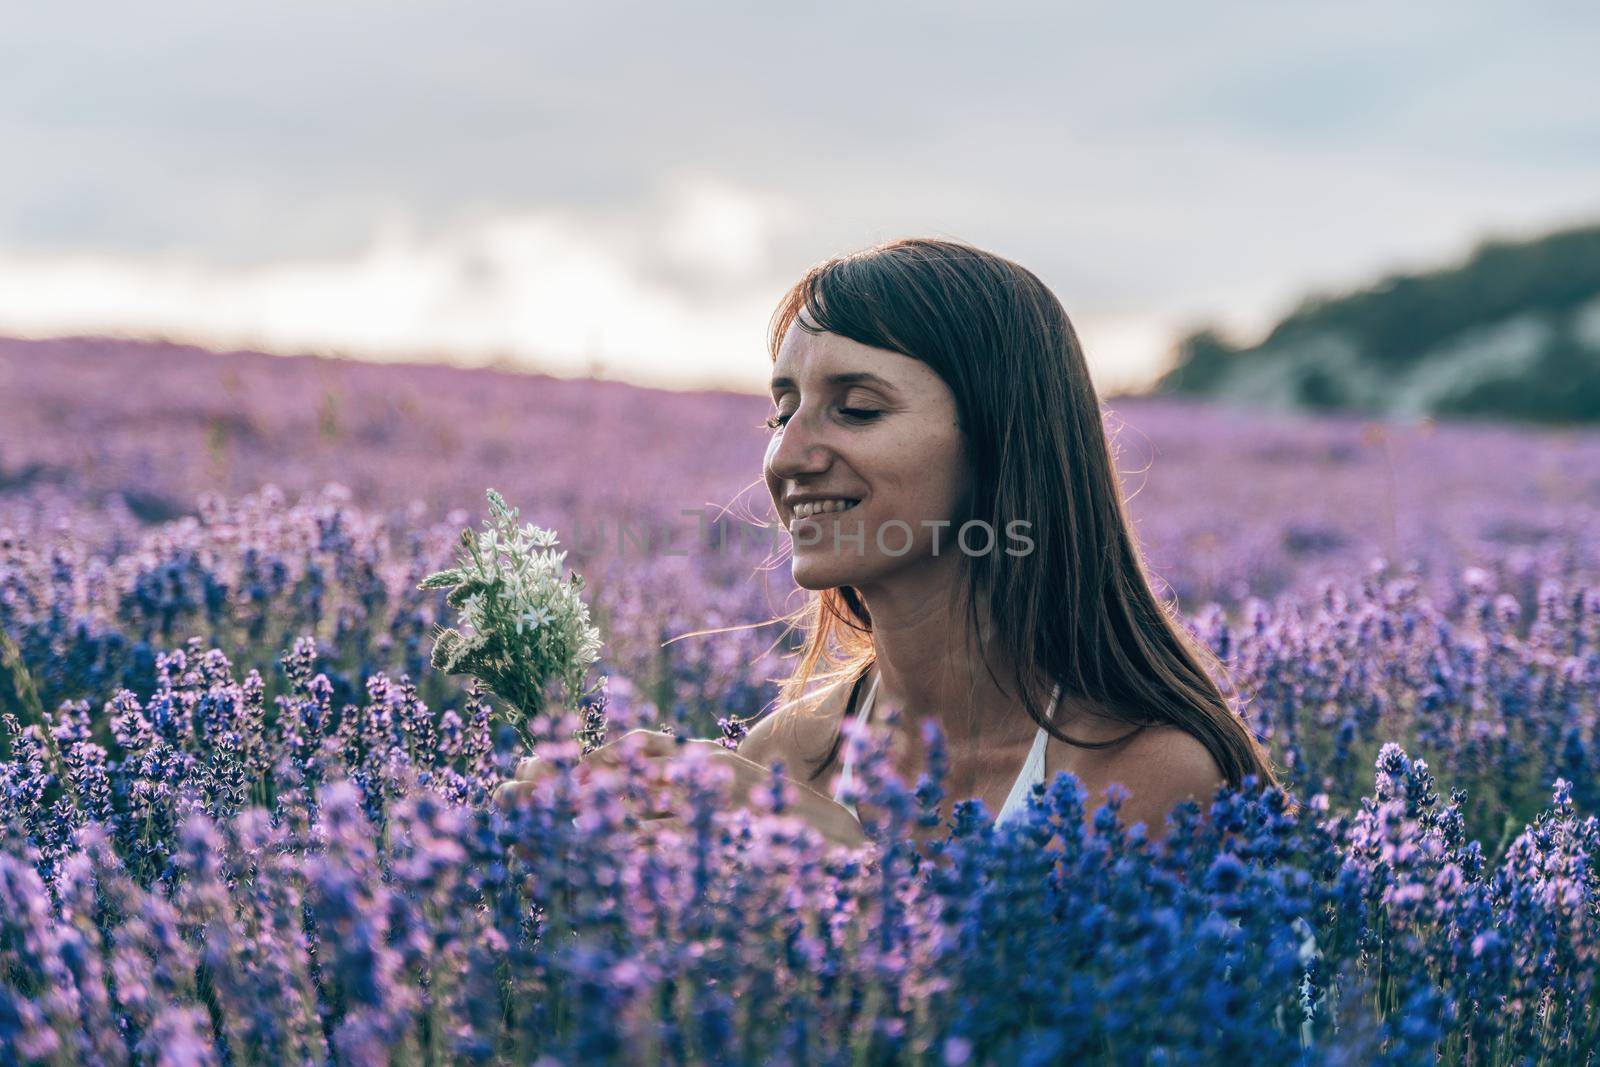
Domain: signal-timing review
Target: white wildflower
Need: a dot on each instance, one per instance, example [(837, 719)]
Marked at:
[(534, 617), (507, 585)]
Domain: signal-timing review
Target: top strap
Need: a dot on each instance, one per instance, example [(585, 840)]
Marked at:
[(1032, 771), (846, 774)]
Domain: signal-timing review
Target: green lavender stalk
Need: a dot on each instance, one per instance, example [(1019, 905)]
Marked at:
[(521, 624)]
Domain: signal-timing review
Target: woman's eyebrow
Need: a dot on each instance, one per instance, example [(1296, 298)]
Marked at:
[(851, 378)]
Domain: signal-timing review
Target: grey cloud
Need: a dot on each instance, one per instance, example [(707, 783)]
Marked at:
[(1128, 152)]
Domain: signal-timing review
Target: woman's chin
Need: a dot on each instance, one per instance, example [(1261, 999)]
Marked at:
[(822, 572)]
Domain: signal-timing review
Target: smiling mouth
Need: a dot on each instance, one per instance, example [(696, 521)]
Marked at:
[(817, 509)]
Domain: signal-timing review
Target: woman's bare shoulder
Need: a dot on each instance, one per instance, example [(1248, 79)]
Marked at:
[(1160, 767), (802, 730)]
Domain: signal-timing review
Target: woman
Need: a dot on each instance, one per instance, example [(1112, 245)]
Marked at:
[(939, 461)]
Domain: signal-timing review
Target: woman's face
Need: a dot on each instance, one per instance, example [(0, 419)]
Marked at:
[(871, 426)]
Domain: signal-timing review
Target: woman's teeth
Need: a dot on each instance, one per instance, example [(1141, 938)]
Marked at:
[(808, 508)]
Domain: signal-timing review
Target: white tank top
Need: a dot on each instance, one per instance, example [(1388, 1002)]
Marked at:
[(1032, 772)]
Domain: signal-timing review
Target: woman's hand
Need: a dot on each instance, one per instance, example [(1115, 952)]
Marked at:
[(532, 770), (654, 746), (831, 819), (825, 815)]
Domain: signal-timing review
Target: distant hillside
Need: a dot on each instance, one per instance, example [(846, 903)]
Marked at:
[(1512, 332)]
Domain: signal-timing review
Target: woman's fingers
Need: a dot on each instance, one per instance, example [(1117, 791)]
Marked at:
[(657, 750), (647, 743), (643, 742)]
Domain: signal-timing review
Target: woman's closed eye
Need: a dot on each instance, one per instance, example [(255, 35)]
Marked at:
[(778, 419)]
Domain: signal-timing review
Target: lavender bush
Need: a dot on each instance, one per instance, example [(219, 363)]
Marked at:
[(229, 881), (245, 819)]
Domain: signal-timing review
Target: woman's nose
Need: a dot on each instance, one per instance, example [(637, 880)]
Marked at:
[(799, 449)]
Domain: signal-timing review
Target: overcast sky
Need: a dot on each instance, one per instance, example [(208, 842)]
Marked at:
[(632, 186)]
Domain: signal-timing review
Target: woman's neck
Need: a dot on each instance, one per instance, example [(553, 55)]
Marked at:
[(931, 665)]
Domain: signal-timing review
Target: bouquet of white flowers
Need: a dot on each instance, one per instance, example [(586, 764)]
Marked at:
[(521, 624)]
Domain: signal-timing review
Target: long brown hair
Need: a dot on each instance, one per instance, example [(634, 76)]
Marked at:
[(1078, 608)]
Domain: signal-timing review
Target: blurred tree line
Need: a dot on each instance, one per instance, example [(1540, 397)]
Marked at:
[(1512, 332)]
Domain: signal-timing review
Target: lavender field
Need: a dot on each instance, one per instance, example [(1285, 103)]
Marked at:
[(246, 822)]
